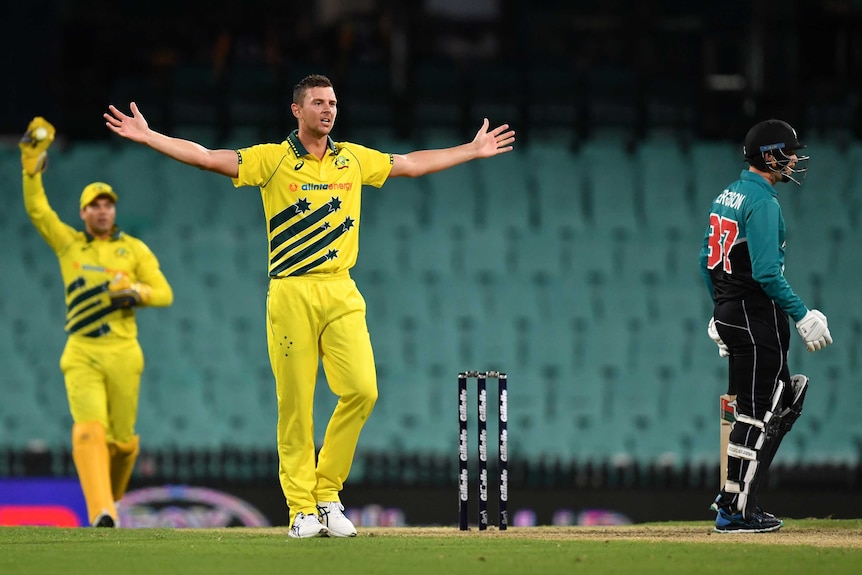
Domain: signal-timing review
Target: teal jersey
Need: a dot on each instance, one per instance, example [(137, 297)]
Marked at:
[(743, 248)]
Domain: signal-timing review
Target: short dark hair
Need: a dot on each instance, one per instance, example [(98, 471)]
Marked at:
[(310, 81)]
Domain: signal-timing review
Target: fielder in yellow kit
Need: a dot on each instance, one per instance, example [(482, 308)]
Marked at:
[(310, 186), (106, 274)]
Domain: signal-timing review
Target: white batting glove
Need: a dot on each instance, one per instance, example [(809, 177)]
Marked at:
[(814, 330), (713, 335)]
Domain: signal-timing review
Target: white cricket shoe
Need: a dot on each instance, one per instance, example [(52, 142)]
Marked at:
[(332, 514), (305, 526)]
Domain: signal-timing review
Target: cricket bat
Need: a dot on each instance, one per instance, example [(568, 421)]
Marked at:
[(728, 416)]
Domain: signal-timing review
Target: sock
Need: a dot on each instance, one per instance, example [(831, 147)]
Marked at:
[(123, 456), (90, 453)]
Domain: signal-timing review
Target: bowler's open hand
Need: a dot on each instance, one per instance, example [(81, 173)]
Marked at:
[(133, 127), (497, 141)]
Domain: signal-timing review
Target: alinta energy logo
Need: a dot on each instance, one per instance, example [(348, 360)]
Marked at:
[(316, 187)]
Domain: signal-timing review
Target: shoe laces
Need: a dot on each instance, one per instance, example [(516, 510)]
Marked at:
[(334, 508)]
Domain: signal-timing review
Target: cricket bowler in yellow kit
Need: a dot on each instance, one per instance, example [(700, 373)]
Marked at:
[(106, 274), (311, 187)]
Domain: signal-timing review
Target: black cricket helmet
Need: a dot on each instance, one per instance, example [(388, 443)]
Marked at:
[(779, 140)]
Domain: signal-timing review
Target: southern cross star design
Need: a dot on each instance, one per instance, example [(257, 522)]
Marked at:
[(334, 204), (331, 254), (302, 205)]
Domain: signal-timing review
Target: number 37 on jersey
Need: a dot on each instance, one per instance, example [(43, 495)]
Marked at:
[(722, 235)]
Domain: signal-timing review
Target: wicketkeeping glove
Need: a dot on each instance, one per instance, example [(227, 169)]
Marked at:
[(125, 293), (814, 330), (34, 145), (713, 334)]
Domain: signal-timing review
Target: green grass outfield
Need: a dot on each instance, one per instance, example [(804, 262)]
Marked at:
[(802, 546)]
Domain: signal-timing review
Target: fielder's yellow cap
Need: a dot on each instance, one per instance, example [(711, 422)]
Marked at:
[(95, 190)]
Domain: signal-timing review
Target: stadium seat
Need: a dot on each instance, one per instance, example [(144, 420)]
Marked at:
[(431, 251), (453, 196), (610, 196), (178, 414), (559, 179), (664, 172), (384, 248), (506, 195), (597, 325), (401, 406), (236, 207), (23, 420), (484, 250), (717, 164)]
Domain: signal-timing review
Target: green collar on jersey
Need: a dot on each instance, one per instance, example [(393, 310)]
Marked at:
[(300, 151), (115, 234)]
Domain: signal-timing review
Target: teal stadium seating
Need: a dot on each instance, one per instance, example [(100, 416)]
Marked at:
[(575, 272)]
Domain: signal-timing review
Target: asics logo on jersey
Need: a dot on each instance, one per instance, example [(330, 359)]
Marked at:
[(299, 165)]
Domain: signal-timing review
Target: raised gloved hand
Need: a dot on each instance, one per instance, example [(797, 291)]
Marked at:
[(713, 335), (125, 293), (34, 145), (814, 329)]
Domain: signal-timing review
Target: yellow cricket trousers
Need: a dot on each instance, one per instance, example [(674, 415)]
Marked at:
[(103, 378), (310, 318)]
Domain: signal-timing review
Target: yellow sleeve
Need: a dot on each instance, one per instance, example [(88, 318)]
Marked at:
[(258, 164), (375, 165), (47, 222), (149, 272)]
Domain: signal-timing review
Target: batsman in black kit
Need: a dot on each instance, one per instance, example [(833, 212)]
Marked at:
[(742, 261)]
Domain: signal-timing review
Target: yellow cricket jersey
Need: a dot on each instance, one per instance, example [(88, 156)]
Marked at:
[(89, 264), (311, 205)]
